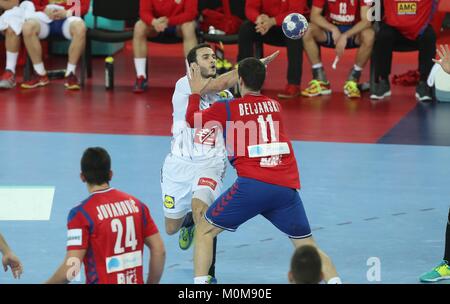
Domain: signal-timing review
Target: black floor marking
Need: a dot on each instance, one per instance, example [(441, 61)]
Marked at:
[(345, 223), (371, 218), (398, 213), (243, 245), (265, 240), (427, 209)]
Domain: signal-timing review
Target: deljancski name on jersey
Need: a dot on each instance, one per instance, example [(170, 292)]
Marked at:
[(265, 150)]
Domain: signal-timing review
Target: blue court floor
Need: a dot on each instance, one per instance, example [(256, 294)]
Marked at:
[(364, 201)]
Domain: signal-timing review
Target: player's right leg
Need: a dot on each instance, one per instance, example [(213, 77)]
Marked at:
[(33, 30), (12, 45), (312, 39), (176, 180), (441, 271), (142, 31), (364, 42)]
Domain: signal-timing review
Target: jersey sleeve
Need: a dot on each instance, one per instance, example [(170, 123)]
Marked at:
[(189, 13), (149, 227), (40, 5), (146, 11), (319, 3), (216, 113), (78, 230), (253, 9)]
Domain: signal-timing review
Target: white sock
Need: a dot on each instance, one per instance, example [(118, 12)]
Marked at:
[(335, 280), (140, 64), (40, 69), (11, 61), (357, 68), (70, 69), (317, 65), (201, 280)]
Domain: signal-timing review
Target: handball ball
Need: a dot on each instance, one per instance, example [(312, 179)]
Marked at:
[(295, 26)]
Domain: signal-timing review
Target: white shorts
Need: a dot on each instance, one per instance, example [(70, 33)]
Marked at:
[(182, 180), (45, 28)]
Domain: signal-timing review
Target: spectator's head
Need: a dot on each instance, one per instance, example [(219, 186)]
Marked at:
[(204, 56), (252, 73), (96, 166), (306, 266)]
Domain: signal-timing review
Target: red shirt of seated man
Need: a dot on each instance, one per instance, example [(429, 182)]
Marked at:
[(274, 8), (177, 11), (68, 5), (409, 17)]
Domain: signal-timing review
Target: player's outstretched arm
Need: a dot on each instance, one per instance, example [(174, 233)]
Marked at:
[(9, 259), (69, 269), (230, 79), (444, 58), (157, 258)]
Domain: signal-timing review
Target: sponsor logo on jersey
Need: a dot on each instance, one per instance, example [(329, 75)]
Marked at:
[(406, 8), (169, 201), (342, 18), (74, 237), (205, 136), (123, 261), (208, 182)]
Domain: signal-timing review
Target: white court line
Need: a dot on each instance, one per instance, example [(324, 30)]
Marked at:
[(26, 203)]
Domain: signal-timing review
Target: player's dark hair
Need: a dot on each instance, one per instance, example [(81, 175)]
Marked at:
[(192, 55), (306, 265), (253, 73), (96, 165)]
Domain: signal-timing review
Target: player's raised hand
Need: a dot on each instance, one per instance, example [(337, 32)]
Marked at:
[(11, 260), (196, 81), (270, 58), (444, 58)]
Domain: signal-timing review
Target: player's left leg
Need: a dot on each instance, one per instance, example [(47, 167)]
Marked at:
[(203, 251), (12, 45), (188, 32), (441, 271), (427, 51), (74, 29), (365, 40), (201, 201), (206, 189)]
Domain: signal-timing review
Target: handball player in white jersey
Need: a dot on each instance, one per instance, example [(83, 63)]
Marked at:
[(192, 173)]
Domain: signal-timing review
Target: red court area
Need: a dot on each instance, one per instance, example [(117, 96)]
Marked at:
[(95, 110)]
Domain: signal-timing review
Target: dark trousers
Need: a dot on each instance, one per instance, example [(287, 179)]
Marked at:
[(248, 37), (388, 37)]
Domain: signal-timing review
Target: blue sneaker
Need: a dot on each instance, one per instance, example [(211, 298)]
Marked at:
[(211, 280), (186, 237), (440, 272)]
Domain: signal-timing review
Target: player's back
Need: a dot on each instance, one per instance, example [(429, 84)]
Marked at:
[(112, 226), (260, 148)]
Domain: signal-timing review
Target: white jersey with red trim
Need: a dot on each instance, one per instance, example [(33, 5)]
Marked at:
[(195, 144)]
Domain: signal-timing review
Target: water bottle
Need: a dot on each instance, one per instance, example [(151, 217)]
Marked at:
[(109, 73)]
